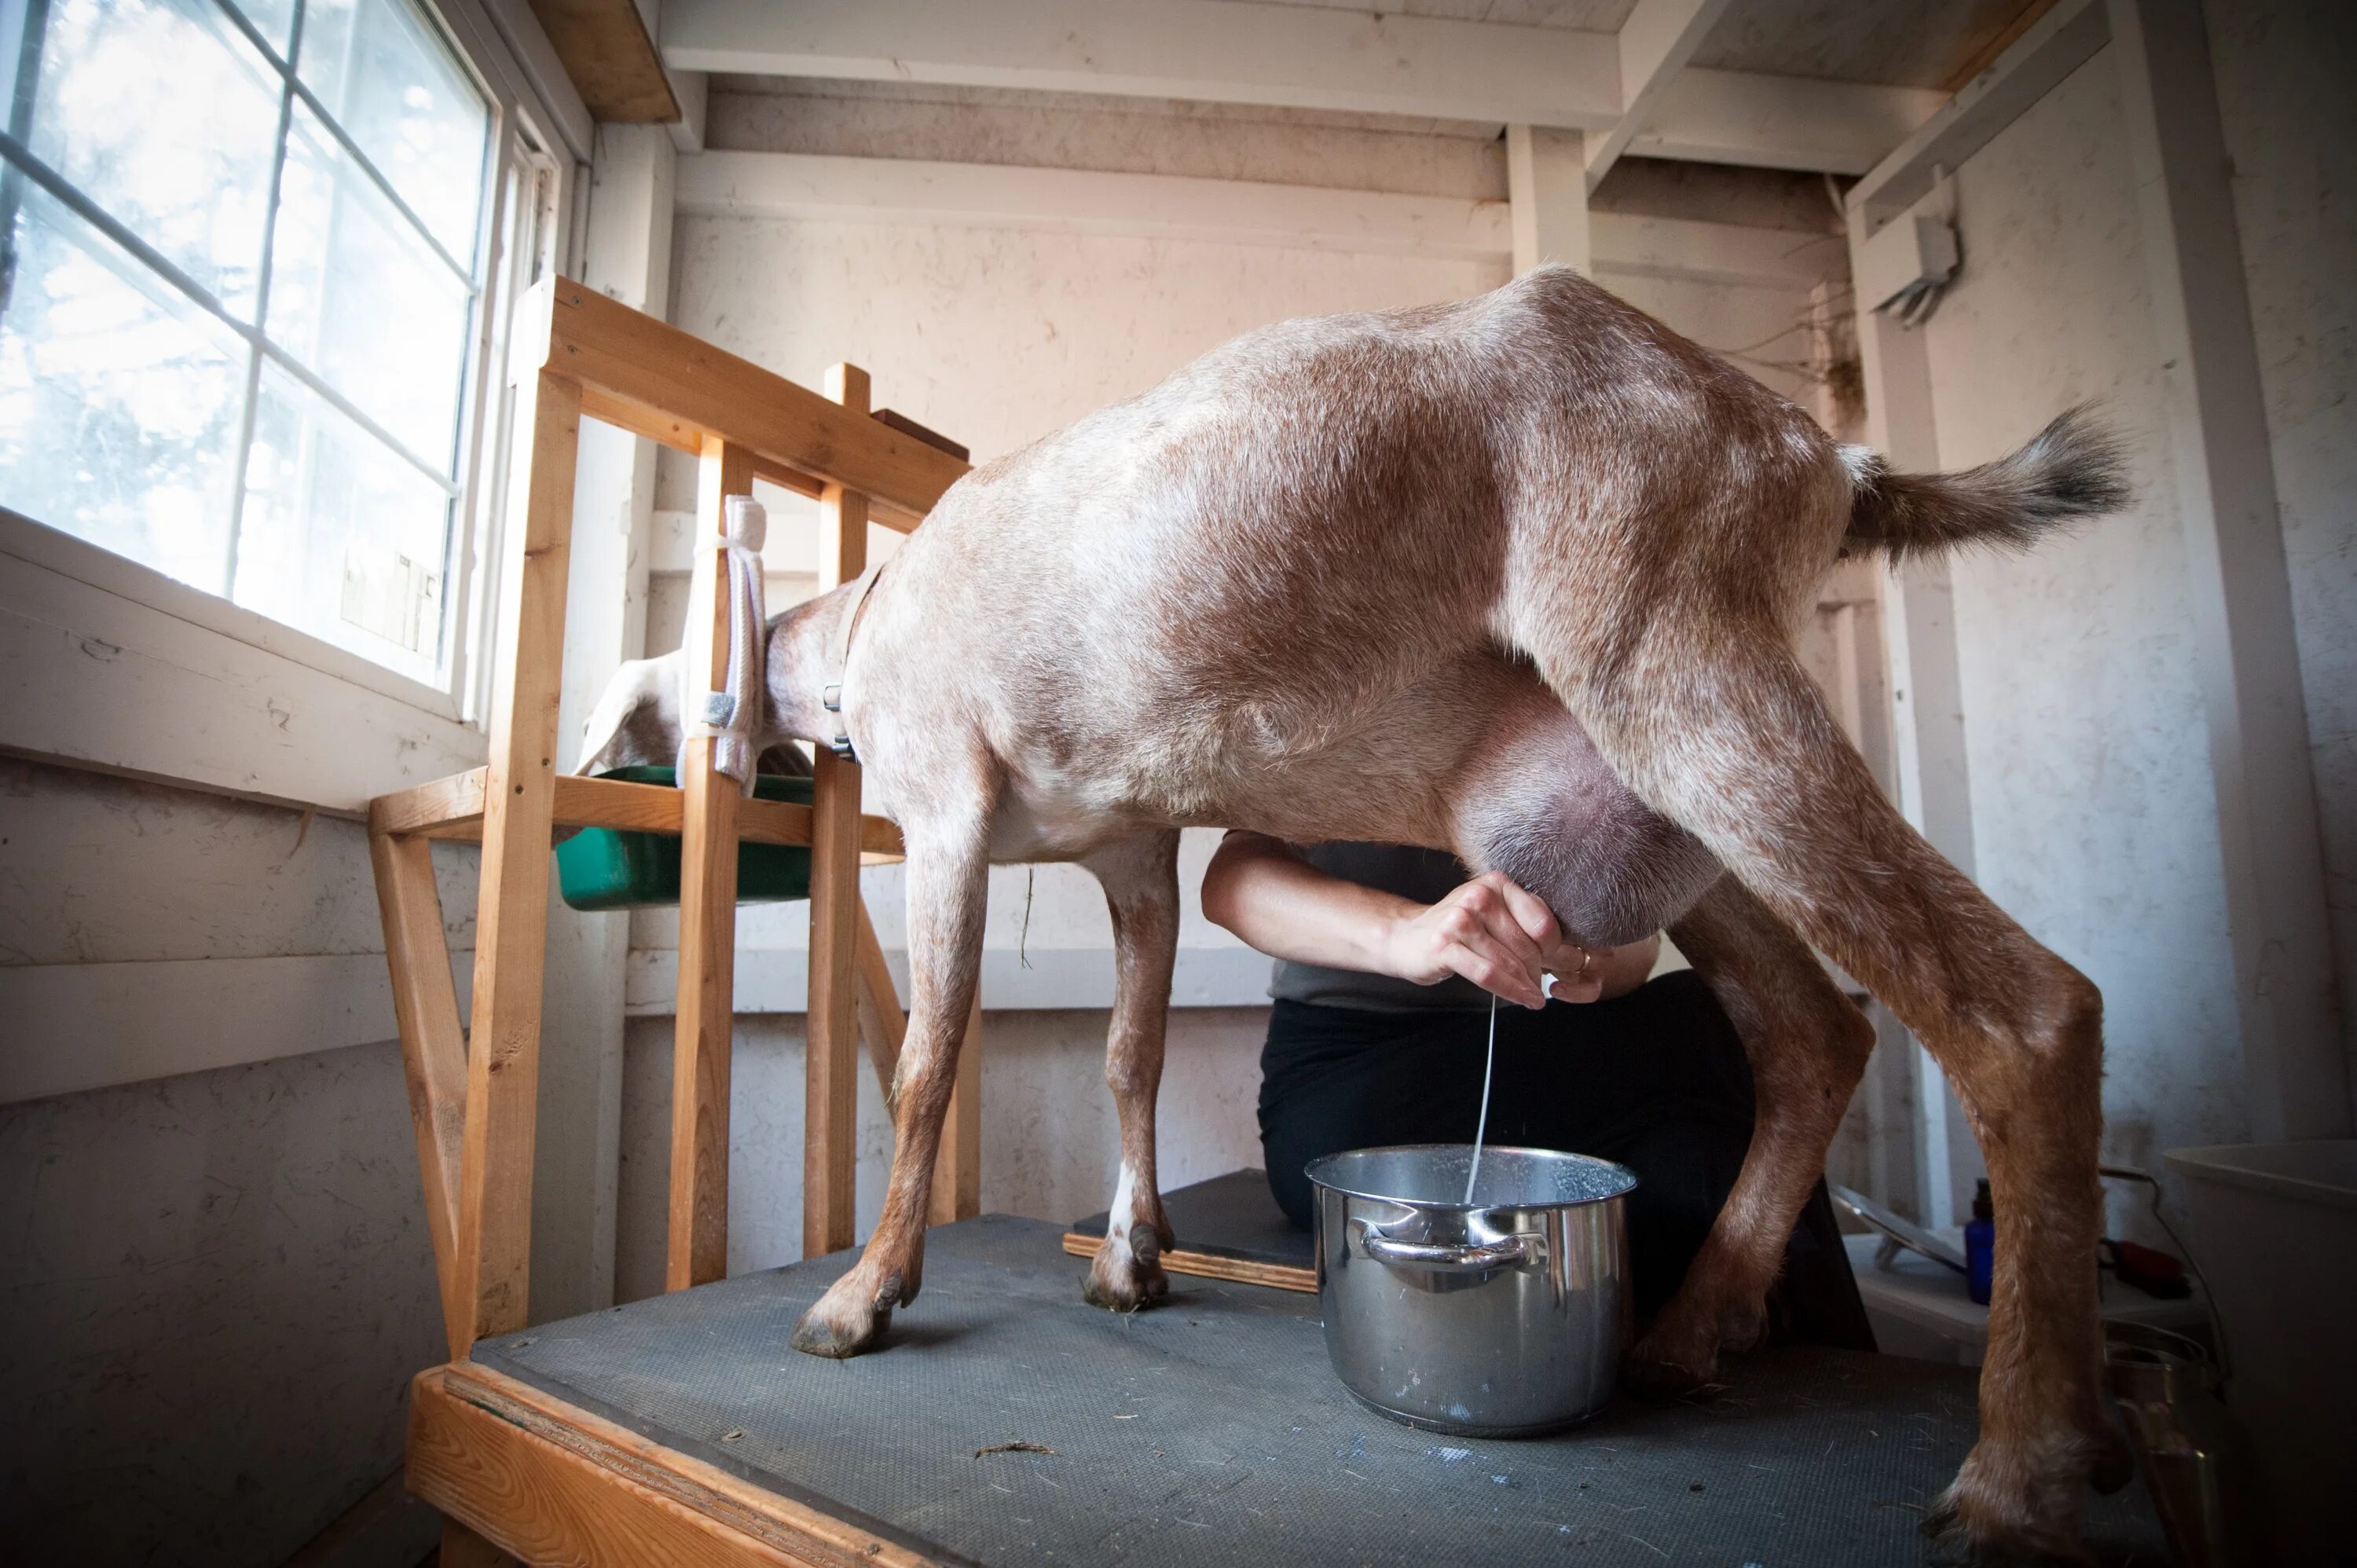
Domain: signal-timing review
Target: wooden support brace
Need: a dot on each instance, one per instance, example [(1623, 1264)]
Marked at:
[(830, 1105), (452, 808), (697, 1250), (882, 1024), (957, 1171), (494, 1242), (433, 1047)]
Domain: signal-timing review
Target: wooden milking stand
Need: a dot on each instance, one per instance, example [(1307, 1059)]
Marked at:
[(538, 1475)]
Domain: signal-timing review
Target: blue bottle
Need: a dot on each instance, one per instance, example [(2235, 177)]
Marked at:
[(1980, 1245)]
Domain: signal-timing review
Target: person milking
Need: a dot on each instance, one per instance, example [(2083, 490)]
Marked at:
[(1386, 959)]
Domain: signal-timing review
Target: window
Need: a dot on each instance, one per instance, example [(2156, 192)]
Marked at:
[(245, 253)]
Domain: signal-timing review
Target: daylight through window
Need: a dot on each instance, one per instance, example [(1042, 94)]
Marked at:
[(243, 263)]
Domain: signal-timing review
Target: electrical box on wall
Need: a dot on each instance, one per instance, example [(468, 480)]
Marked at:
[(1903, 267)]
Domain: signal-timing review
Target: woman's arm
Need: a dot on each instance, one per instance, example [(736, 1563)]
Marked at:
[(1490, 930)]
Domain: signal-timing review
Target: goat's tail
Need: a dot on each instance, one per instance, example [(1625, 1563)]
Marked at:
[(2074, 467)]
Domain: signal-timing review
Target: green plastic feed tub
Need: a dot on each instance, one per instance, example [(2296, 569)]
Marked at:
[(606, 868)]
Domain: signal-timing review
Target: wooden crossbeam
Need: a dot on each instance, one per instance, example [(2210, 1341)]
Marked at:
[(1211, 1266), (452, 808), (553, 1483), (653, 380)]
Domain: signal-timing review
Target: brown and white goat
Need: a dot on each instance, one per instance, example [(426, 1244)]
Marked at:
[(1517, 578)]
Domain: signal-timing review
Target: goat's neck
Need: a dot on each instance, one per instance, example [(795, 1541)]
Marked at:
[(804, 645)]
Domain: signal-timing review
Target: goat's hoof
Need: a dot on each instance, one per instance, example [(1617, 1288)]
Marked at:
[(1121, 1282), (845, 1321), (1673, 1359), (1742, 1330), (1651, 1378), (2005, 1509)]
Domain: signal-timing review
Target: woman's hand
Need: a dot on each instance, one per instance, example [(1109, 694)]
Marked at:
[(1495, 933), (1490, 930)]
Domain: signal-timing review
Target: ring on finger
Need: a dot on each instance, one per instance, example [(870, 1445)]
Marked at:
[(1587, 962)]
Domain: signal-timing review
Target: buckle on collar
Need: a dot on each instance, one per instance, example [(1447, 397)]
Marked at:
[(831, 699)]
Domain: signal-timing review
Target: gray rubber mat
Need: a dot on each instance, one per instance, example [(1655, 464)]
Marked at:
[(1211, 1431)]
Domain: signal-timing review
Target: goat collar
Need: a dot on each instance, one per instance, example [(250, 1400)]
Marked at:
[(830, 697)]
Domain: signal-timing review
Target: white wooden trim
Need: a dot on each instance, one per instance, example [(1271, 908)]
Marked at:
[(2059, 43), (1546, 192), (1726, 254), (38, 544), (1776, 121), (1654, 44), (1218, 51), (1361, 59), (902, 190), (2277, 922), (777, 980), (896, 190), (93, 677), (79, 1026), (1931, 766)]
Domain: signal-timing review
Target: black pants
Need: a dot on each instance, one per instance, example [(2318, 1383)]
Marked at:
[(1656, 1081)]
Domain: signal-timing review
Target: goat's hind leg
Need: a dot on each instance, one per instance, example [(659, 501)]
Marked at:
[(1717, 726), (1807, 1046), (1140, 876), (948, 886)]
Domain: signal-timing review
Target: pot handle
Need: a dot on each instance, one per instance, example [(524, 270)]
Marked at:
[(1455, 1258)]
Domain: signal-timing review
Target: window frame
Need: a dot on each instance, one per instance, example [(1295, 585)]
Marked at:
[(533, 154)]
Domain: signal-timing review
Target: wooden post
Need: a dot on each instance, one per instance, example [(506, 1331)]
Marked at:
[(1548, 183), (432, 1049), (1931, 768), (831, 1103), (957, 1172), (698, 1243), (494, 1242)]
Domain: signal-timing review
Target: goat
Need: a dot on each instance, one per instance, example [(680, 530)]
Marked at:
[(1515, 577)]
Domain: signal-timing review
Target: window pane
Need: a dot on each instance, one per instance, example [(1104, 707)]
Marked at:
[(164, 115), (341, 536), (356, 295), (385, 76), (274, 19), (119, 402)]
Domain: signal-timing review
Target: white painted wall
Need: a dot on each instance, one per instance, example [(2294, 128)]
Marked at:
[(213, 1286), (2284, 72), (2094, 818)]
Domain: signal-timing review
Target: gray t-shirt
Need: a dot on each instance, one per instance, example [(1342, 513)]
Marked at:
[(1426, 875)]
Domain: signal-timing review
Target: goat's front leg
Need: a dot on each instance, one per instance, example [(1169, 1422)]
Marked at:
[(1808, 1047), (948, 886), (1140, 876)]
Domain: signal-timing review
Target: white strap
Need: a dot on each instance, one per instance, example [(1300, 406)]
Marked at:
[(731, 715)]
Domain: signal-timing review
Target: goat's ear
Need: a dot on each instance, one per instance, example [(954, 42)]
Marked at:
[(636, 723)]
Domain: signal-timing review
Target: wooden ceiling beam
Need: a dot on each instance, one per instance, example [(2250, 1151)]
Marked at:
[(605, 49)]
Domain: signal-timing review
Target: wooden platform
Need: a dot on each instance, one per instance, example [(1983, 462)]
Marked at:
[(1229, 1228), (683, 1430)]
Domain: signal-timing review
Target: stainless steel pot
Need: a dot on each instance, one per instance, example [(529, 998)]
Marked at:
[(1501, 1318)]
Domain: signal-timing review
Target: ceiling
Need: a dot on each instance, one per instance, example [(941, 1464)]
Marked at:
[(1895, 43)]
